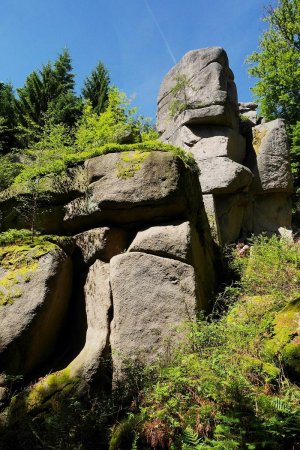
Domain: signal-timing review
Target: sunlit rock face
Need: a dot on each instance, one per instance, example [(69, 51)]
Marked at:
[(139, 264), (245, 172)]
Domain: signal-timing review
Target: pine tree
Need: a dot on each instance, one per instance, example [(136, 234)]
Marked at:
[(48, 95), (96, 88), (7, 118)]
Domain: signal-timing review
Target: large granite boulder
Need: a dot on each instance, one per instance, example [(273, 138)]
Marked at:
[(117, 188), (147, 312), (181, 241), (132, 188), (200, 89), (35, 288), (272, 168)]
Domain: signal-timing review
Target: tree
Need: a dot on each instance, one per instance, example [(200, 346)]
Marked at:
[(112, 126), (96, 87), (277, 67), (8, 119), (48, 94)]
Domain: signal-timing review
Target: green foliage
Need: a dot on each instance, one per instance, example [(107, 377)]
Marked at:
[(48, 94), (178, 92), (112, 126), (10, 166), (96, 88), (295, 153), (48, 155), (7, 118), (224, 390), (277, 67), (277, 63)]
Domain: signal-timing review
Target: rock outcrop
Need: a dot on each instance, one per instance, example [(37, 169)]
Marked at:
[(142, 260), (143, 264), (244, 168)]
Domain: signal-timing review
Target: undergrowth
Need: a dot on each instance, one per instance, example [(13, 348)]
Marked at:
[(226, 390)]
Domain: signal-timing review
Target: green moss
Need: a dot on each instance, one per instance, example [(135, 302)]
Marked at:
[(285, 343), (49, 392), (130, 163), (50, 387), (18, 262), (73, 159)]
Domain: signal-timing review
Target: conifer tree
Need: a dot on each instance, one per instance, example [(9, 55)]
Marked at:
[(7, 118), (96, 87), (48, 95)]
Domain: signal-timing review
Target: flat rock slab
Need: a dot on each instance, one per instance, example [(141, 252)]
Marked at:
[(151, 297), (211, 142), (171, 241), (222, 175), (126, 188)]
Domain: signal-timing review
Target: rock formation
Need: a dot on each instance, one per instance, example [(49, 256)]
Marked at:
[(139, 260), (244, 167), (142, 263)]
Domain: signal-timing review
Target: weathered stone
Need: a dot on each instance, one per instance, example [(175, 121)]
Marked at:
[(33, 314), (247, 106), (132, 188), (88, 365), (200, 88), (270, 212), (171, 241), (211, 142), (272, 172), (230, 216), (147, 312), (101, 243), (222, 175), (210, 209), (181, 241)]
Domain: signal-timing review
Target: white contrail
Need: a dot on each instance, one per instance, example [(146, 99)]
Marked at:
[(160, 32)]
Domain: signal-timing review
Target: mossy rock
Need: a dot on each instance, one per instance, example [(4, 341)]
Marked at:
[(285, 343), (48, 393), (18, 262)]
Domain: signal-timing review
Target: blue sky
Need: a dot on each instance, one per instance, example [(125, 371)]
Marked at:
[(136, 39)]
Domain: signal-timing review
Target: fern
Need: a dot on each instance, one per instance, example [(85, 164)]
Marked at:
[(134, 443), (280, 405), (190, 439)]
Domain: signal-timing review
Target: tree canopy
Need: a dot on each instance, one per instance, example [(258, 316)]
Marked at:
[(277, 67)]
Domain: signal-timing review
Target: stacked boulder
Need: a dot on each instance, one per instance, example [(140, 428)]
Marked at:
[(142, 263), (198, 111)]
